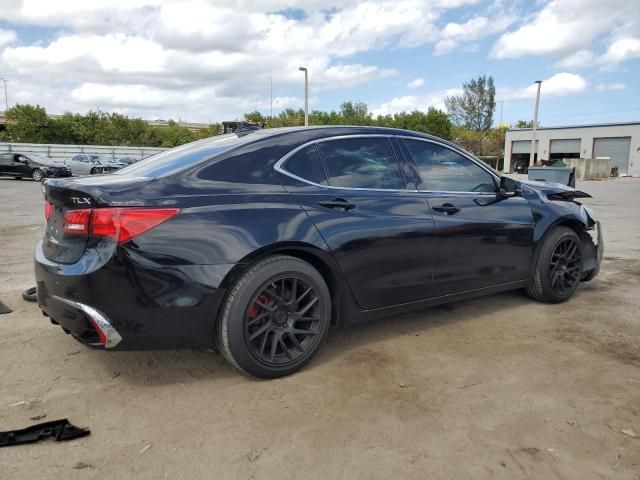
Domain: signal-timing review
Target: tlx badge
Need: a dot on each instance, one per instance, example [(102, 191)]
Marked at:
[(81, 200)]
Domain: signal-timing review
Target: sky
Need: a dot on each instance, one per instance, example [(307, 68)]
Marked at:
[(208, 61)]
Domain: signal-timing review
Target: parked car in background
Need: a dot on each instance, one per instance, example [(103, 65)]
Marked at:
[(92, 164), (27, 165), (127, 160), (257, 243)]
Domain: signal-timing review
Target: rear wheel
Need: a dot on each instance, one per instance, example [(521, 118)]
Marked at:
[(558, 267), (275, 317), (37, 175), (93, 171)]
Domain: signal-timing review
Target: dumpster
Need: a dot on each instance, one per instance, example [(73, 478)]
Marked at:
[(563, 175)]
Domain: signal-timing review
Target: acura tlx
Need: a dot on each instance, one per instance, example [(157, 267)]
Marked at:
[(256, 243)]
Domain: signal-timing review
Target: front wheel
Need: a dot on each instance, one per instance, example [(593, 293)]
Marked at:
[(37, 175), (275, 317), (558, 267)]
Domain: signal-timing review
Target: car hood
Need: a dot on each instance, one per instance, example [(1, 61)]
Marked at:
[(556, 191)]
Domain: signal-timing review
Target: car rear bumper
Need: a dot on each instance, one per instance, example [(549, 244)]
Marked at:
[(83, 322), (130, 303)]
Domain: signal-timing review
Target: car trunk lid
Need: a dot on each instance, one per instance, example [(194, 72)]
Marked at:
[(68, 208)]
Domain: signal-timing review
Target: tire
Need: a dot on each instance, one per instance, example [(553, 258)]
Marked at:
[(30, 294), (246, 332), (558, 267), (37, 175), (93, 171)]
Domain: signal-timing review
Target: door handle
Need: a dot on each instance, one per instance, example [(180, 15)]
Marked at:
[(338, 203), (447, 208)]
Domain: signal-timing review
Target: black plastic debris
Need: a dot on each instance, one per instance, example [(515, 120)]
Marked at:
[(4, 309), (59, 430)]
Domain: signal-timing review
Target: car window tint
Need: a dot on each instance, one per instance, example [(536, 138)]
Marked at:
[(361, 163), (185, 156), (445, 170), (306, 164)]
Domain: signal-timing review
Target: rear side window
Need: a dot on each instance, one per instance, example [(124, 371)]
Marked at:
[(361, 163), (444, 170), (185, 156), (306, 164)]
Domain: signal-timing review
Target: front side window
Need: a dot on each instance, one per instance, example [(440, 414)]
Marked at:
[(445, 170), (306, 164), (361, 163)]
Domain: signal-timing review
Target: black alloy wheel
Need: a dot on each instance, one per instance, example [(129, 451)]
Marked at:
[(282, 321), (275, 317), (565, 266), (557, 268)]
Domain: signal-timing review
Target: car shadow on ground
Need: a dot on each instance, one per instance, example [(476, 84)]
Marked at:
[(148, 368)]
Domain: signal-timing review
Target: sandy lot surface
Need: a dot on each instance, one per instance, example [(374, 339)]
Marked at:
[(500, 387)]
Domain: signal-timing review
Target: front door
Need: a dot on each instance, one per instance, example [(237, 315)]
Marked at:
[(378, 231), (482, 241)]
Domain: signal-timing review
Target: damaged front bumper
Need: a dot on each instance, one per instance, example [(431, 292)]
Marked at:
[(593, 251)]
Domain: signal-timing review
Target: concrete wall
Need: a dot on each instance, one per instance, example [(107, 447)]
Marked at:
[(586, 134), (60, 153), (589, 168)]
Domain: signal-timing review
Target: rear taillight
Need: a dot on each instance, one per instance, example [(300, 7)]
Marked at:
[(48, 210), (77, 221), (120, 223)]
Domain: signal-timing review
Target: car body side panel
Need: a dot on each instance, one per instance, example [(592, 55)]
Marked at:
[(486, 243), (226, 229)]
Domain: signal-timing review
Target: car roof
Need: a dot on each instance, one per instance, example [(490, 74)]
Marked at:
[(332, 130)]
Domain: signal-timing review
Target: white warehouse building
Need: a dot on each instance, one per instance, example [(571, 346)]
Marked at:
[(618, 141)]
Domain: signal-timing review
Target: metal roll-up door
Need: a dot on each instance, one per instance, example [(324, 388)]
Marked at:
[(571, 145), (522, 146), (617, 149)]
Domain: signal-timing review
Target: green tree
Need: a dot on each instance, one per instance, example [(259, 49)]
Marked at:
[(27, 124), (474, 108), (438, 123), (355, 113), (256, 118), (524, 124), (173, 135)]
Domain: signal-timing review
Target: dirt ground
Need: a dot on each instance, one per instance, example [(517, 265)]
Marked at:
[(500, 387)]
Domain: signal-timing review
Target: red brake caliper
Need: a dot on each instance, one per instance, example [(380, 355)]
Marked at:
[(255, 309)]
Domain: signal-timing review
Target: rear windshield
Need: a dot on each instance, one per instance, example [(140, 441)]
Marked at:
[(178, 158)]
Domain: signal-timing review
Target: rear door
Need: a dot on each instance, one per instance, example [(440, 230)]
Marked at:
[(378, 230), (482, 241)]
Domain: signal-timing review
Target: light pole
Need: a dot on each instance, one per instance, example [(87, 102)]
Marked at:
[(306, 95), (6, 101), (534, 126), (271, 95)]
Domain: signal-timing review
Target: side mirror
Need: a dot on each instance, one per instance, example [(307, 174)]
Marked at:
[(508, 188)]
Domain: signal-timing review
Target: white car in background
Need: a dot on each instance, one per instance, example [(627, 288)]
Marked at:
[(92, 164)]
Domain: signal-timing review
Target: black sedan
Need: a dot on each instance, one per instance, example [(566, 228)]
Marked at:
[(27, 165), (256, 244)]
